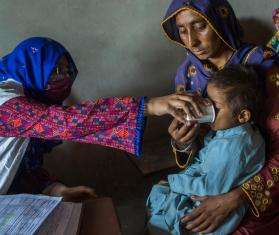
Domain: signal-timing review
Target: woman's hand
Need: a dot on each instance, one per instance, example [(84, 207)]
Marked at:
[(182, 133), (212, 211), (177, 105)]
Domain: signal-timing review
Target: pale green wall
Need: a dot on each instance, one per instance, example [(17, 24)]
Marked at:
[(118, 45)]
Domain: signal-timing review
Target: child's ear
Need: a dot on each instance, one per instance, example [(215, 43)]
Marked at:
[(244, 116)]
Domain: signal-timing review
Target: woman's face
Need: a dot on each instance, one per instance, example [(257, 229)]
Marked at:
[(60, 82), (197, 35), (224, 116)]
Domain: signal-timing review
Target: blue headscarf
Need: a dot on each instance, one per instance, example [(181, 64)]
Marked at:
[(218, 13), (31, 63)]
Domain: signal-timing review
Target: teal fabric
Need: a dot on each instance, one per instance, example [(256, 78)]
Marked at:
[(228, 159)]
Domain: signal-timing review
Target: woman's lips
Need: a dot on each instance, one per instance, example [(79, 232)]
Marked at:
[(199, 52)]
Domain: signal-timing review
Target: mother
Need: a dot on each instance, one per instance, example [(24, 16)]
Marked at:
[(211, 34)]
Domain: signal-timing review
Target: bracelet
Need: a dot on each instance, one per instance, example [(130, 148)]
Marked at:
[(190, 155), (189, 145)]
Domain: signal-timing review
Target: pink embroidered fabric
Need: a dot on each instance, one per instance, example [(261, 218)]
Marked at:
[(113, 122)]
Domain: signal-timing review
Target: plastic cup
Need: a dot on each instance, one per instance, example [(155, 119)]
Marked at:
[(207, 117)]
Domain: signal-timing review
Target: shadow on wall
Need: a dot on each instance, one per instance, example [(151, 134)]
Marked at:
[(256, 31)]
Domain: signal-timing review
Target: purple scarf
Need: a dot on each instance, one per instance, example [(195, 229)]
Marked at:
[(194, 73)]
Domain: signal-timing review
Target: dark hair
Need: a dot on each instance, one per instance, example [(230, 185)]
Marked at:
[(242, 88)]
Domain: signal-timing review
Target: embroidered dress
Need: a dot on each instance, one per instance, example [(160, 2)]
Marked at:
[(228, 158), (220, 16), (31, 125)]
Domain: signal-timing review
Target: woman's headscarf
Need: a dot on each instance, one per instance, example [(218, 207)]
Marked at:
[(194, 73), (32, 62), (217, 13)]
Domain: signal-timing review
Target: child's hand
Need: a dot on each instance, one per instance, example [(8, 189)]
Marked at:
[(183, 133)]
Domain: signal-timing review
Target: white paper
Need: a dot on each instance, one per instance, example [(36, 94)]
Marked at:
[(24, 213)]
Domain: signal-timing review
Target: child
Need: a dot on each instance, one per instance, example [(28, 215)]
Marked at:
[(233, 152)]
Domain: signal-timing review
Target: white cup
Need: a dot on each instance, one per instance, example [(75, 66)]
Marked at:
[(208, 115)]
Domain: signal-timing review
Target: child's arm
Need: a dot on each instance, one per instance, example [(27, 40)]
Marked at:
[(225, 166)]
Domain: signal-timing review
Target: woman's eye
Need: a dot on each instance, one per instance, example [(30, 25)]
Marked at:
[(182, 30), (200, 26)]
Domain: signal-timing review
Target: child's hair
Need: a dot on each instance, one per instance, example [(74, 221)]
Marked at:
[(242, 88)]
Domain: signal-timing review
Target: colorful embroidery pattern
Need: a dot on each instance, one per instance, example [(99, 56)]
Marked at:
[(208, 67), (258, 197), (258, 191), (113, 122), (268, 53), (274, 78), (192, 71)]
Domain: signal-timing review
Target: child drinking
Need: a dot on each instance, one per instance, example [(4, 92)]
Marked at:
[(233, 151)]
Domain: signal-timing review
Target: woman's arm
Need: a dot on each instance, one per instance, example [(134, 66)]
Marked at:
[(113, 122), (213, 211)]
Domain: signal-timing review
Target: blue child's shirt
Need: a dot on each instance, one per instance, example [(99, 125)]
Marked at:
[(228, 159)]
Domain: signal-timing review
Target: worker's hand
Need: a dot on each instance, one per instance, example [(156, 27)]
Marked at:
[(177, 105)]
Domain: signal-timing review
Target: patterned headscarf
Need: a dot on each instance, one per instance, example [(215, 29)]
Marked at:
[(32, 62), (217, 13)]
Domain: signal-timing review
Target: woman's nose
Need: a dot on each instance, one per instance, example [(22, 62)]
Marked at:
[(193, 40)]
